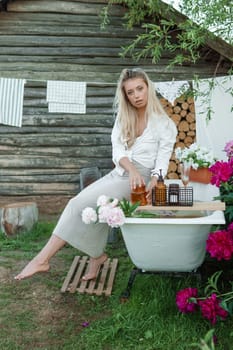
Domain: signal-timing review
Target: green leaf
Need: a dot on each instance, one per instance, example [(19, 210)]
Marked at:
[(212, 283)]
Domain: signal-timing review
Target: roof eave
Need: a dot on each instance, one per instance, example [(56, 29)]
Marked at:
[(215, 43)]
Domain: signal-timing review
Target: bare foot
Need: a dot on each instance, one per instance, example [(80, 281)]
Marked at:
[(94, 267), (33, 267)]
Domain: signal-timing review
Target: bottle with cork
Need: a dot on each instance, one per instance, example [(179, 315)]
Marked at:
[(159, 193)]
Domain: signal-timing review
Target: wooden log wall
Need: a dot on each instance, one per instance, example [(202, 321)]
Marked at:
[(44, 157), (62, 40), (182, 112)]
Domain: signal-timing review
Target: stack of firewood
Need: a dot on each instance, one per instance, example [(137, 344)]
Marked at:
[(182, 112)]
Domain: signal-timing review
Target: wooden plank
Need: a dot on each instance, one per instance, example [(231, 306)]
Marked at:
[(78, 274), (60, 129), (69, 120), (45, 140), (91, 287), (70, 274), (81, 29), (102, 278), (54, 19), (69, 151), (113, 266), (11, 172), (90, 101), (53, 162), (61, 7), (85, 38), (47, 204), (20, 189), (211, 206)]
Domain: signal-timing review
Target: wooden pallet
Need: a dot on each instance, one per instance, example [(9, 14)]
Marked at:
[(101, 285)]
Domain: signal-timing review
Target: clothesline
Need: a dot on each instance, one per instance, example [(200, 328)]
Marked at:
[(96, 82), (88, 82)]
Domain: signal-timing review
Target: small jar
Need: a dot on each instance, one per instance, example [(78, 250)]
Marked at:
[(173, 194), (138, 194)]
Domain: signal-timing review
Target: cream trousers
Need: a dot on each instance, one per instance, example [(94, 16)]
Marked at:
[(92, 238)]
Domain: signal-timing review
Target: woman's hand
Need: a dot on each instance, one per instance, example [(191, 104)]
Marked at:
[(150, 186), (135, 179)]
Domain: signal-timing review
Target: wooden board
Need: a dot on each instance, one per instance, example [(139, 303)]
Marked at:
[(211, 206), (102, 285)]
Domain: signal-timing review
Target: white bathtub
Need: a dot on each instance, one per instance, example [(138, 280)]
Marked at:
[(174, 243)]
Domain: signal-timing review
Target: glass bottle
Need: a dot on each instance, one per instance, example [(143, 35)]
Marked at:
[(160, 191), (138, 194)]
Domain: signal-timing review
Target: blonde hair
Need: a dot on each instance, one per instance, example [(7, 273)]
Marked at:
[(126, 113)]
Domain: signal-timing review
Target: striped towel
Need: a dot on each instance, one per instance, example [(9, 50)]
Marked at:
[(66, 96), (11, 101)]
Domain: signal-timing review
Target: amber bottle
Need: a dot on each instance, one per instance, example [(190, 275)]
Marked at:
[(139, 195), (160, 190)]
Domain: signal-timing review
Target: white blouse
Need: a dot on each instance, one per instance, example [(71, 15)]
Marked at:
[(152, 149)]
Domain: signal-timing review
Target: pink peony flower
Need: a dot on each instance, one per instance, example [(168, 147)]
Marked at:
[(221, 172), (107, 211), (89, 215), (104, 212), (186, 300), (210, 309), (116, 217), (220, 244)]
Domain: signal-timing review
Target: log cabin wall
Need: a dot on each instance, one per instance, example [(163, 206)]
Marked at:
[(62, 40)]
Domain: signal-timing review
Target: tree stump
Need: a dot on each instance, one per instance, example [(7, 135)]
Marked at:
[(18, 217)]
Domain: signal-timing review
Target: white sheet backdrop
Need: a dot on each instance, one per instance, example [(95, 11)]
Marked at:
[(219, 130)]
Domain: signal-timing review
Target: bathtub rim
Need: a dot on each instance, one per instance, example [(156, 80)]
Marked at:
[(213, 218)]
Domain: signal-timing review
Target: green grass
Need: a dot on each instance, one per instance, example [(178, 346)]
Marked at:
[(35, 315)]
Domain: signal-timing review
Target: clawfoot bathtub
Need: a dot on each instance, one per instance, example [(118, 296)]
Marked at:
[(176, 240)]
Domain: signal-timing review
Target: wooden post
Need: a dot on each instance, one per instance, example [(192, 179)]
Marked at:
[(18, 217)]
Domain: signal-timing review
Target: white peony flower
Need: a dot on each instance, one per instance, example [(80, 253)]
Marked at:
[(102, 200), (89, 215)]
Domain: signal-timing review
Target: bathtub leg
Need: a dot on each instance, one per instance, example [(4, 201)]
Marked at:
[(126, 294)]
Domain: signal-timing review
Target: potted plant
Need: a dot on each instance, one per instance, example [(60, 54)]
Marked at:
[(200, 159)]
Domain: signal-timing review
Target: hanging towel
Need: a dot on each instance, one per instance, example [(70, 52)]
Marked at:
[(172, 89), (66, 96), (11, 101)]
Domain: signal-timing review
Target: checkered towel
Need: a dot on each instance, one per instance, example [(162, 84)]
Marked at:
[(66, 96)]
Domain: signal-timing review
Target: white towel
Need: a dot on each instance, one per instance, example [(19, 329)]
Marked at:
[(66, 96), (11, 101), (172, 89)]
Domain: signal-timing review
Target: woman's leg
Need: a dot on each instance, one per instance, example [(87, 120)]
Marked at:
[(41, 261), (94, 267)]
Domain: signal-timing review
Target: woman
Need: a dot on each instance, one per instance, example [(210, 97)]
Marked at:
[(143, 137)]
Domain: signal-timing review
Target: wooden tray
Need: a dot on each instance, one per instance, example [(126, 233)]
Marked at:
[(211, 206)]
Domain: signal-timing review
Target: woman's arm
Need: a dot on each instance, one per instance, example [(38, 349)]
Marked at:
[(167, 139), (121, 157), (135, 177)]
